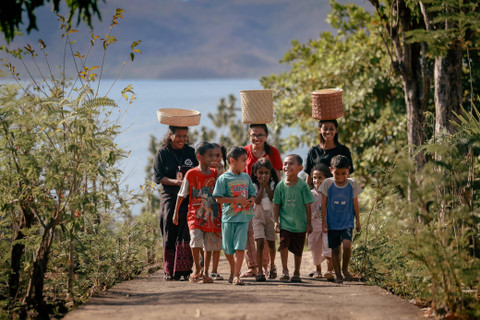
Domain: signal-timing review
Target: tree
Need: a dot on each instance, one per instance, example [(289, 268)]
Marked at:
[(12, 13), (354, 60)]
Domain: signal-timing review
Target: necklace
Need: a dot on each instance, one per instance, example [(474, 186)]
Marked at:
[(258, 154)]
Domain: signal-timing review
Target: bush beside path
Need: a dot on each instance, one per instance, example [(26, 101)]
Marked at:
[(151, 297)]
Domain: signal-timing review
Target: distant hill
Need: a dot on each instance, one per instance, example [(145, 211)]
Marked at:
[(196, 38)]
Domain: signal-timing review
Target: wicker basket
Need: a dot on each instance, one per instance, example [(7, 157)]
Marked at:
[(178, 117), (257, 106), (327, 104)]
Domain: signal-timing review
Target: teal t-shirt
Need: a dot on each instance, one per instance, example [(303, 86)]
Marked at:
[(231, 185), (292, 201)]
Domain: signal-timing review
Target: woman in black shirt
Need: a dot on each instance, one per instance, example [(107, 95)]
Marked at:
[(172, 161)]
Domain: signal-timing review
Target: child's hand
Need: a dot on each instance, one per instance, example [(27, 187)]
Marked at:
[(325, 228), (358, 227), (309, 228), (175, 219), (277, 227)]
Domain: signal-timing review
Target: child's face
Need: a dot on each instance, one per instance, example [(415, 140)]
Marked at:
[(328, 130), (340, 175), (240, 164), (318, 178), (263, 174), (291, 167), (206, 159), (217, 157)]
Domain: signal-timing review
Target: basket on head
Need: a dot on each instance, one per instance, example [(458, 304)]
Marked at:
[(257, 106), (178, 117), (327, 104)]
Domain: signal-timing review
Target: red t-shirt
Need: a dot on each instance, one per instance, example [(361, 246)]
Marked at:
[(203, 211), (274, 158)]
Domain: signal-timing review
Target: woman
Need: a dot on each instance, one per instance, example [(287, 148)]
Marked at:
[(173, 160), (258, 149), (328, 148)]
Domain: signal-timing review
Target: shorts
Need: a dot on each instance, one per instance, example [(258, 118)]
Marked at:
[(209, 241), (234, 236), (294, 241), (335, 237), (264, 224)]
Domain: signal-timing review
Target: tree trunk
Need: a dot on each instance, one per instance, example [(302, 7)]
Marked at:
[(448, 89), (37, 277), (18, 249)]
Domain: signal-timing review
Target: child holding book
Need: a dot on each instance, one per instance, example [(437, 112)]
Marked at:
[(292, 207), (234, 190), (204, 219), (264, 178)]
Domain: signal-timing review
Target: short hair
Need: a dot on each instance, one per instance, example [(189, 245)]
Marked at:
[(235, 152), (340, 162), (203, 147), (296, 157), (323, 169)]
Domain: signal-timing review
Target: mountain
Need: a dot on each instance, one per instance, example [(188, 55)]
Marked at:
[(195, 38)]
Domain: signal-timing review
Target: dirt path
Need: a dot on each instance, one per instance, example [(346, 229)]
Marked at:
[(153, 298)]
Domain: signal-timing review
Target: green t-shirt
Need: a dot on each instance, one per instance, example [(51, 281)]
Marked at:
[(292, 201)]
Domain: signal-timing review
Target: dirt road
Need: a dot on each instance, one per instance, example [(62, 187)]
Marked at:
[(153, 298)]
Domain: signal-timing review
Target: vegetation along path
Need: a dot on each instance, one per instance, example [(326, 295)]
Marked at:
[(152, 297)]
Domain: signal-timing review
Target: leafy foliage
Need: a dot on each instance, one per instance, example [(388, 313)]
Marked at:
[(66, 223)]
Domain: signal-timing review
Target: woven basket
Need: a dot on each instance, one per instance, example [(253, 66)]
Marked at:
[(327, 104), (257, 106), (178, 117)]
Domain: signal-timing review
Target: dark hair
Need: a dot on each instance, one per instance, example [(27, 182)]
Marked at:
[(340, 162), (266, 146), (203, 147), (167, 142), (224, 152), (236, 152), (335, 138), (296, 157), (264, 162), (323, 169)]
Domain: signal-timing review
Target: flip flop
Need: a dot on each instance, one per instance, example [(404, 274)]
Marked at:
[(195, 278), (317, 275), (329, 276), (296, 279), (238, 282), (230, 279), (284, 278), (260, 278), (273, 273), (248, 274), (207, 280)]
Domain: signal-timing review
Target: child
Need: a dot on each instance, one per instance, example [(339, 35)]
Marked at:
[(292, 205), (264, 178), (339, 206), (219, 154), (203, 215), (234, 190), (317, 240)]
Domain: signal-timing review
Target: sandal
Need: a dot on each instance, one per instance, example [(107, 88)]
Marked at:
[(207, 279), (248, 274), (347, 276), (195, 278), (260, 278), (296, 279), (329, 276), (216, 276), (284, 278), (273, 273), (167, 277), (338, 281), (230, 279), (317, 275), (238, 282)]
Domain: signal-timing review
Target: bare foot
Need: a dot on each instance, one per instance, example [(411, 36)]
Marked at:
[(347, 276)]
